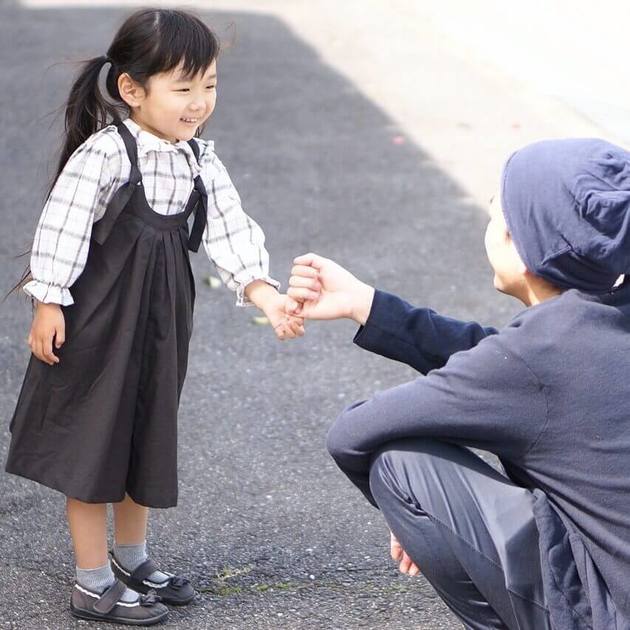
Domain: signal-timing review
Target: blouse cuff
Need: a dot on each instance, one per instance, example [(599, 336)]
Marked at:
[(48, 293), (241, 299)]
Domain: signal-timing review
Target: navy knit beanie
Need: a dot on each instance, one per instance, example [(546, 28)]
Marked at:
[(567, 207)]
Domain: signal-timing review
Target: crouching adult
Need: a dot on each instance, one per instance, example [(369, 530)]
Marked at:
[(547, 545)]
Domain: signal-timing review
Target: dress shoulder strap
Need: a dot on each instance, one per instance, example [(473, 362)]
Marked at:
[(199, 204), (129, 140), (194, 145), (122, 196)]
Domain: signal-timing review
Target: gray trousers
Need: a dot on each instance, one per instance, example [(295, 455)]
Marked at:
[(469, 529)]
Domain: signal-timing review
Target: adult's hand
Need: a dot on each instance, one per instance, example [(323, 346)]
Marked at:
[(405, 563), (325, 290)]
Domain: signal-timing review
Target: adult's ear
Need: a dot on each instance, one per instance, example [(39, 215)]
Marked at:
[(130, 91)]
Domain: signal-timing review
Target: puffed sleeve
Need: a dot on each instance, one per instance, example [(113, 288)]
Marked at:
[(62, 239), (234, 242)]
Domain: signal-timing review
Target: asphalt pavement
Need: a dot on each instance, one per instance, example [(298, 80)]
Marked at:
[(267, 528)]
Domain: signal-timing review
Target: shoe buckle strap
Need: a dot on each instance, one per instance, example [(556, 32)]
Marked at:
[(143, 571), (110, 598)]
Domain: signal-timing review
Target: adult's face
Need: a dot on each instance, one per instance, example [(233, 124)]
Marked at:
[(509, 270)]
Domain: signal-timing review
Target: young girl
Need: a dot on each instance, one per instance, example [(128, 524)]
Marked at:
[(114, 292)]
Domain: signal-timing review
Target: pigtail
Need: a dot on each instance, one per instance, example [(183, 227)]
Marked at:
[(87, 110)]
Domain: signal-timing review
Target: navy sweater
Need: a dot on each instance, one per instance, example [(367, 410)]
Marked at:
[(549, 394)]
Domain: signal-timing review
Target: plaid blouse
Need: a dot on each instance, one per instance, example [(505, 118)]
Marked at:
[(95, 171)]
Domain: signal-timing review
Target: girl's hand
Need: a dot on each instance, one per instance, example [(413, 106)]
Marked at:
[(285, 325), (405, 563), (278, 309), (48, 326), (328, 291)]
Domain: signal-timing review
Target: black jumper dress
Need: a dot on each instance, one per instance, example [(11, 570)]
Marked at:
[(103, 421)]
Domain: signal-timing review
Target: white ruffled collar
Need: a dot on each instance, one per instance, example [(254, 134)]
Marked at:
[(146, 141)]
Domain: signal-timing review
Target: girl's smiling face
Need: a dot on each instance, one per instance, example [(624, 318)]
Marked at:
[(172, 106)]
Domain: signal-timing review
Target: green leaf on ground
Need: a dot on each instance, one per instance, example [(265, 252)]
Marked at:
[(213, 282)]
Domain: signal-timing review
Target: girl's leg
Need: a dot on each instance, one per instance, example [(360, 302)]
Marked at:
[(97, 595), (469, 529), (131, 562), (88, 528), (130, 522)]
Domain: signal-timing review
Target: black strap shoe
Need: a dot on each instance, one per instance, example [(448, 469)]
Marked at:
[(108, 606), (176, 590)]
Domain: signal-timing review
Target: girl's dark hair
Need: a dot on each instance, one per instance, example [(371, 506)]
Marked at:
[(150, 41)]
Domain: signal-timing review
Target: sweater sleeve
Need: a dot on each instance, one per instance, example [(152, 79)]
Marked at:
[(418, 337), (486, 397)]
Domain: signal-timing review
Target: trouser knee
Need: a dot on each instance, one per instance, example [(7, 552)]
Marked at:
[(390, 472)]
